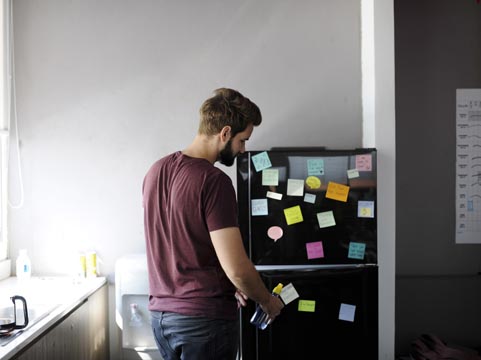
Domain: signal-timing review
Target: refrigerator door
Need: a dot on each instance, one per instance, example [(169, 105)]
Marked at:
[(334, 317), (308, 207)]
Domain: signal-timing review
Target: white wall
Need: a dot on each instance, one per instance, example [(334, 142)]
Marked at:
[(104, 88)]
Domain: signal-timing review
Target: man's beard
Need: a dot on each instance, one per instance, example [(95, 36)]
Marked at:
[(226, 155)]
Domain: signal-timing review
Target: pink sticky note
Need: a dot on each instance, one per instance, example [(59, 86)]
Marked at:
[(364, 162), (314, 250)]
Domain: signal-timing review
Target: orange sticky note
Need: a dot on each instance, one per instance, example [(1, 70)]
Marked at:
[(337, 191)]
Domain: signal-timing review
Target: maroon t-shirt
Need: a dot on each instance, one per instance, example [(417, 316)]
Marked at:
[(184, 199)]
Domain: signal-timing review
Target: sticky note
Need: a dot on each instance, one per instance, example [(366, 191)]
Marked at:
[(259, 207), (326, 219), (365, 209), (364, 162), (347, 312), (274, 195), (315, 167), (356, 250), (306, 305), (261, 161), (352, 173), (313, 182), (289, 294), (314, 250), (337, 191), (270, 177), (293, 215), (309, 198), (275, 233), (295, 187)]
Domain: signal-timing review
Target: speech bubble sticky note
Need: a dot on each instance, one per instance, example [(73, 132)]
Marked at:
[(259, 207), (270, 177), (314, 250), (337, 191), (261, 161), (365, 209), (307, 305), (315, 167), (356, 250), (326, 219), (275, 232), (295, 187), (313, 182), (347, 312), (293, 215), (364, 162)]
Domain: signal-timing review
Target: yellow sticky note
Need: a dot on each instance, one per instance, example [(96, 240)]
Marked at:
[(307, 305), (293, 215), (337, 191)]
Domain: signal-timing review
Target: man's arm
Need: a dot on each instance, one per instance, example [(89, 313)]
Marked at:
[(241, 271)]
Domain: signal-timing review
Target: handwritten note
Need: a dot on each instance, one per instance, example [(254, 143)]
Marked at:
[(356, 250), (314, 250), (364, 162), (337, 191), (326, 219), (293, 215), (352, 173), (313, 182), (274, 195), (259, 207), (295, 187), (315, 167), (289, 293), (270, 177), (261, 161), (365, 209), (309, 198), (347, 312), (307, 305)]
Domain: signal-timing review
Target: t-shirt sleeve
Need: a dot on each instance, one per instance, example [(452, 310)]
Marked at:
[(220, 203)]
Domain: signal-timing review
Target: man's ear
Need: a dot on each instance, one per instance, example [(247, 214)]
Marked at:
[(225, 133)]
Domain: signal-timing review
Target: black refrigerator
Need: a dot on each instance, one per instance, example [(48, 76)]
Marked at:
[(308, 221)]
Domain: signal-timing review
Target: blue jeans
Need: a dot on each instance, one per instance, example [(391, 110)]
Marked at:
[(181, 337)]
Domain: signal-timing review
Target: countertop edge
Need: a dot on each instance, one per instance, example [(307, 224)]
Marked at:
[(61, 311)]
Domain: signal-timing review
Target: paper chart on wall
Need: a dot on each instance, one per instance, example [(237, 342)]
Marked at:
[(468, 166)]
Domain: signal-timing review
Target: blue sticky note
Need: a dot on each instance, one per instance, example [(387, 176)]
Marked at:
[(259, 207), (347, 312), (261, 161), (356, 250), (315, 167)]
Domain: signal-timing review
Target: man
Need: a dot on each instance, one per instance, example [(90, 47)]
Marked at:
[(199, 273)]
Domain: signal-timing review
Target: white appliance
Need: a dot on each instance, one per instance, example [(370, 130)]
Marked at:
[(131, 312)]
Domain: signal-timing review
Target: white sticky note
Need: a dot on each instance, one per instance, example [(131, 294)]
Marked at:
[(274, 195), (289, 293), (353, 173), (270, 177), (347, 312), (295, 187), (259, 207), (365, 209), (326, 219)]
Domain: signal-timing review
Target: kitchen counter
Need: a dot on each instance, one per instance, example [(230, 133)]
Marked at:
[(49, 300)]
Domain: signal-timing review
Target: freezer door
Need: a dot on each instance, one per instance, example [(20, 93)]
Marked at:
[(334, 317)]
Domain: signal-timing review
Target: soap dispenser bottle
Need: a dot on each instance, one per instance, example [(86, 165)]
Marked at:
[(24, 266)]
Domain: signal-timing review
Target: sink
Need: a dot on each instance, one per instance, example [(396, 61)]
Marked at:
[(35, 313)]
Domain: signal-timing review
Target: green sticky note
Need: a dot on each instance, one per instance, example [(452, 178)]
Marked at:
[(261, 161), (307, 305)]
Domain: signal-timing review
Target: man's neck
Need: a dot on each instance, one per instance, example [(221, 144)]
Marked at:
[(203, 147)]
